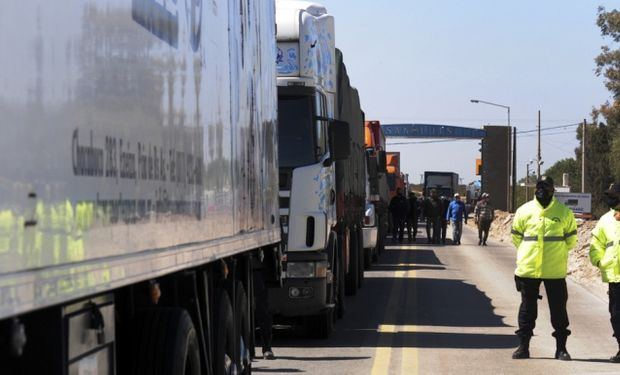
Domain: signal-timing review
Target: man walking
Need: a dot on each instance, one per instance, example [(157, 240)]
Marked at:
[(483, 217), (398, 208), (443, 221), (412, 217), (456, 214), (432, 213), (605, 254), (543, 231)]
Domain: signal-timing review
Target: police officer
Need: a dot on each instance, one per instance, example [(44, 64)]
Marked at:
[(543, 230), (605, 254), (398, 208)]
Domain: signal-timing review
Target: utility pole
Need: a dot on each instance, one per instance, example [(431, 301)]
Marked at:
[(583, 158), (538, 161), (514, 169)]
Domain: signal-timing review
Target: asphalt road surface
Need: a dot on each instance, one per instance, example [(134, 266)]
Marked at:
[(444, 309)]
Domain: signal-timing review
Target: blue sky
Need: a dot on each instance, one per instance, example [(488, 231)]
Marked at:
[(422, 61)]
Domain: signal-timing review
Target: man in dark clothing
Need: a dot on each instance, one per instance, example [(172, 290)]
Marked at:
[(412, 217), (443, 221), (432, 212), (483, 216), (264, 317), (398, 208)]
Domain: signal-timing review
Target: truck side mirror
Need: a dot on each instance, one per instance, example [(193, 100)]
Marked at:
[(381, 162), (339, 140)]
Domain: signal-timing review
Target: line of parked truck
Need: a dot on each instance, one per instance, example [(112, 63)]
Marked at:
[(160, 156)]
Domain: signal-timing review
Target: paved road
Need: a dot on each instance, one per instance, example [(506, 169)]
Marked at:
[(428, 309)]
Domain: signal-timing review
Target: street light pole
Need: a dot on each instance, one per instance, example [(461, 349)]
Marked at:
[(511, 166)]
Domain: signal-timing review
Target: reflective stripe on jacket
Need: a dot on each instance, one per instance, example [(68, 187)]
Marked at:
[(543, 237), (605, 247)]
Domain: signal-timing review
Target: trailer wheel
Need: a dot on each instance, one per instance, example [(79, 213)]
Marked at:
[(340, 292), (361, 253), (320, 326), (243, 330), (164, 343), (368, 255), (225, 339), (352, 277)]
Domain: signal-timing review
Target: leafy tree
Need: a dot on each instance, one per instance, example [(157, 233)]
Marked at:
[(570, 166), (603, 134)]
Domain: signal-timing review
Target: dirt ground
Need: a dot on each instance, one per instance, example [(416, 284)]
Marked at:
[(579, 267)]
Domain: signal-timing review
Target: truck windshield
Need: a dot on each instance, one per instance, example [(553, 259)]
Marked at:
[(296, 133)]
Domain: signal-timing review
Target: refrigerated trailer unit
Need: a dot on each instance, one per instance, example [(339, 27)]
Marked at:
[(139, 184)]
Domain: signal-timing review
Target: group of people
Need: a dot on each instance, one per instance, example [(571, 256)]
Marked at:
[(544, 231), (438, 213)]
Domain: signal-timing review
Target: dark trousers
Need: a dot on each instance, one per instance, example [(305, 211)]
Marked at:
[(528, 311), (444, 228), (412, 227), (264, 318), (483, 230), (398, 230), (614, 309), (432, 229)]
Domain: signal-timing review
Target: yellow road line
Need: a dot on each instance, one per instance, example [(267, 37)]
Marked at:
[(383, 353), (409, 353)]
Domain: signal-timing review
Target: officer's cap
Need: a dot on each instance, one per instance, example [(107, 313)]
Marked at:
[(544, 181)]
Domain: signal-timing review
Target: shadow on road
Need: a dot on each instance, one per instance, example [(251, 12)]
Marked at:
[(417, 310)]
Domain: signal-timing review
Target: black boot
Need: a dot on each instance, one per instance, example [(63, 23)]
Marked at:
[(616, 358), (560, 349), (523, 351)]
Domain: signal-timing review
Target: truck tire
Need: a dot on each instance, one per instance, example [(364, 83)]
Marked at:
[(225, 338), (339, 288), (164, 343), (361, 253), (321, 326), (368, 255), (243, 330), (352, 276)]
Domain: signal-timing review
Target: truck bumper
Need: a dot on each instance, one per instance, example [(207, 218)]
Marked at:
[(370, 237), (299, 297)]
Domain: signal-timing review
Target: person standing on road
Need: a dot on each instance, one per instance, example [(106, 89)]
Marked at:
[(456, 214), (443, 221), (398, 208), (432, 212), (605, 254), (483, 217), (412, 217), (543, 230)]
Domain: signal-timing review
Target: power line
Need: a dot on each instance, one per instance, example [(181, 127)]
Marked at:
[(549, 128)]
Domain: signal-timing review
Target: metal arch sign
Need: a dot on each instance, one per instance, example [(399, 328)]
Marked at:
[(431, 131)]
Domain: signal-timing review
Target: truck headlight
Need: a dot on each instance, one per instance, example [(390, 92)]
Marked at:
[(306, 269)]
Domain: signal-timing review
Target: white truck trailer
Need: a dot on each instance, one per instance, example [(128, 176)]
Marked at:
[(321, 169), (139, 184)]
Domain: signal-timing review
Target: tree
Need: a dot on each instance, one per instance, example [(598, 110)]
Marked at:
[(603, 135), (568, 165)]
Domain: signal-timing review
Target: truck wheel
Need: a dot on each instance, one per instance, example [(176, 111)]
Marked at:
[(352, 276), (322, 325), (243, 329), (164, 343), (361, 253), (339, 300), (225, 339)]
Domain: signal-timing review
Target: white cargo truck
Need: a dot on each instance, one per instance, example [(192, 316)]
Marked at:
[(321, 169), (138, 190)]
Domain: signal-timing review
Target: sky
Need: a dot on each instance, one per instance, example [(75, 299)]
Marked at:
[(423, 61)]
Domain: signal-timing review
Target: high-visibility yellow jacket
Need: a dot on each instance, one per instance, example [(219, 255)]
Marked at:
[(605, 247), (543, 237)]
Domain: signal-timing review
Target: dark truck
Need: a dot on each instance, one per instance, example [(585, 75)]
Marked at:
[(446, 183)]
